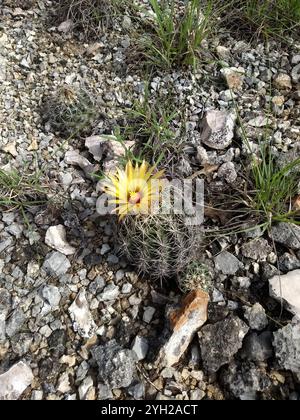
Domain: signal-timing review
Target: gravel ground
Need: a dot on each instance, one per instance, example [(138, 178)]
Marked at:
[(76, 321)]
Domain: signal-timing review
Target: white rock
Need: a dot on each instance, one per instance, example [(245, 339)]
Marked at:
[(234, 77), (148, 314), (287, 289), (51, 295), (3, 40), (68, 360), (218, 129), (72, 157), (66, 179), (14, 382), (63, 384), (81, 316), (140, 347), (283, 81), (37, 395), (45, 331), (110, 292), (260, 121), (65, 26), (56, 239), (84, 387), (296, 73), (104, 249), (97, 145), (10, 148)]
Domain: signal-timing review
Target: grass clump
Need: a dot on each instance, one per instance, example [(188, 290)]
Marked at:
[(274, 188), (70, 112), (153, 123), (178, 32), (267, 18), (21, 190), (268, 194), (159, 246)]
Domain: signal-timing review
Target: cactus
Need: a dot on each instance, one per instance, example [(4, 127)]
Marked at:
[(196, 276), (70, 111), (90, 17), (159, 246)]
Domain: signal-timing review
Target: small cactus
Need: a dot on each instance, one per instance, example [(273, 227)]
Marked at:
[(196, 276), (159, 246), (70, 112), (90, 17)]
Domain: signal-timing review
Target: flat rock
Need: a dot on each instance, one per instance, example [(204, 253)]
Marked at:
[(5, 305), (227, 172), (14, 382), (56, 264), (234, 77), (51, 295), (10, 148), (245, 380), (98, 145), (260, 121), (283, 81), (116, 365), (111, 292), (218, 129), (287, 347), (286, 234), (15, 322), (56, 239), (296, 74), (72, 157), (258, 347), (286, 288), (140, 347), (258, 249), (185, 322), (227, 263), (219, 342), (81, 316), (66, 26), (256, 317)]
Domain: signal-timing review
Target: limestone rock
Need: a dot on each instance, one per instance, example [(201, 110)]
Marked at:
[(287, 347), (81, 316), (219, 342), (14, 382), (218, 129), (287, 288), (56, 239), (185, 322), (116, 365)]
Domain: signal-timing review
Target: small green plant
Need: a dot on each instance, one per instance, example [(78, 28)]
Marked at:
[(21, 190), (70, 112), (196, 276), (268, 18), (274, 188), (177, 35), (152, 124), (159, 246)]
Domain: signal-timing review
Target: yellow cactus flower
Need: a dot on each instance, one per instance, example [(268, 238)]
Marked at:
[(133, 189)]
